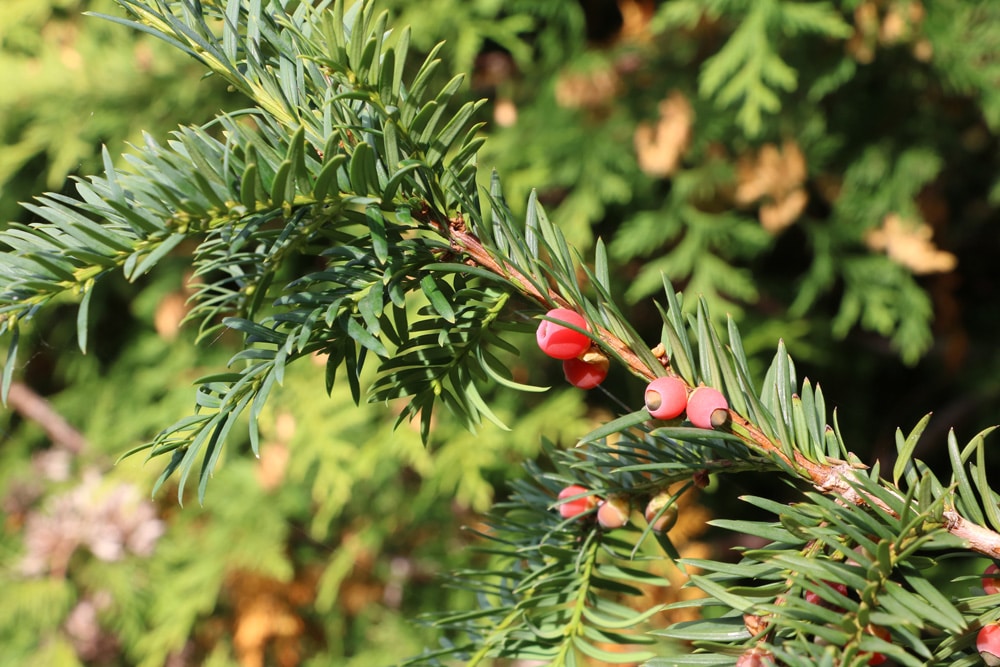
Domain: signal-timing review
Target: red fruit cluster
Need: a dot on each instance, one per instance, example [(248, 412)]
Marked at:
[(561, 336), (562, 342), (611, 513), (667, 398), (988, 644)]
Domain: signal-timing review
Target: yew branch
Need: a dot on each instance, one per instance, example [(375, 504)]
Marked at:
[(830, 476)]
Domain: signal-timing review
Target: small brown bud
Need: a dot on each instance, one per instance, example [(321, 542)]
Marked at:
[(755, 624)]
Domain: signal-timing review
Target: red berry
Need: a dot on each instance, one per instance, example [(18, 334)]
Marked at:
[(988, 644), (585, 375), (613, 513), (666, 397), (814, 598), (574, 508), (558, 341), (991, 579), (876, 658), (667, 519), (702, 403)]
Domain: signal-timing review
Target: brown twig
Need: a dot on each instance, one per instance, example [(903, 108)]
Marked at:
[(980, 539), (23, 400)]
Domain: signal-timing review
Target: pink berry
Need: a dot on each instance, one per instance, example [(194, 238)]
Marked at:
[(613, 513), (702, 403), (991, 579), (756, 657), (574, 508), (585, 375), (666, 397), (988, 644), (667, 519), (558, 341)]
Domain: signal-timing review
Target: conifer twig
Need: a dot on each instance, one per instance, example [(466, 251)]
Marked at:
[(830, 477), (465, 242)]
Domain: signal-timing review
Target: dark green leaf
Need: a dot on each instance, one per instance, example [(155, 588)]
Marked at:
[(438, 300), (8, 367), (82, 319), (376, 227), (906, 447)]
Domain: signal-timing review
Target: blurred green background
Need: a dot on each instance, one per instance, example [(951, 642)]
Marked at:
[(827, 173)]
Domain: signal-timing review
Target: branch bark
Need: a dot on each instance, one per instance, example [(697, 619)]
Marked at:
[(30, 405)]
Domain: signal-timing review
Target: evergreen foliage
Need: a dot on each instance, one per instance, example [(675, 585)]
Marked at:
[(73, 82), (340, 218)]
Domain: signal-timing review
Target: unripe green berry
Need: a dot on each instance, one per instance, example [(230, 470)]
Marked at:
[(666, 397), (702, 404), (613, 513), (561, 342)]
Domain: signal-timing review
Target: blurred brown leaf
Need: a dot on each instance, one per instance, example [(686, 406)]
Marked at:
[(909, 244), (660, 147)]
